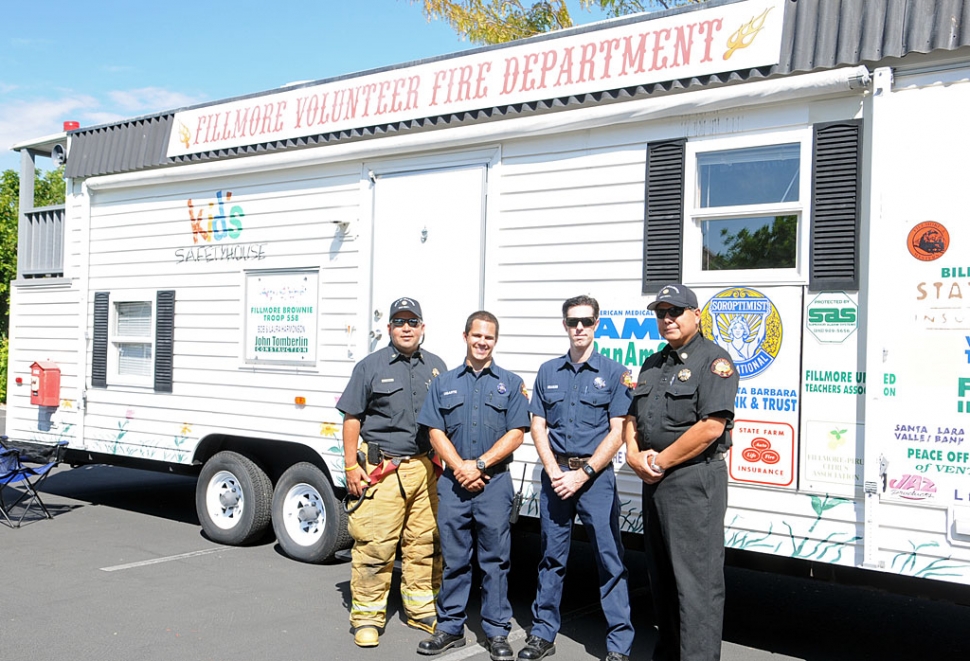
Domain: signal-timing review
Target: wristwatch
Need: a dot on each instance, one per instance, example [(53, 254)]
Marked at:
[(480, 464), (589, 470), (653, 465)]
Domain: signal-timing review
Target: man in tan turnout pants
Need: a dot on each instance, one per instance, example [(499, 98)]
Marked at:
[(398, 480)]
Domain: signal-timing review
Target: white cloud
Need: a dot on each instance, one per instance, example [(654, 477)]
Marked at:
[(151, 99), (23, 119)]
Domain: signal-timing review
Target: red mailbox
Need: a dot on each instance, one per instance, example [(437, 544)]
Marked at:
[(45, 383)]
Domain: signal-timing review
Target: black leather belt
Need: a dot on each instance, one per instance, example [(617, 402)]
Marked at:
[(717, 456), (573, 463), (497, 470)]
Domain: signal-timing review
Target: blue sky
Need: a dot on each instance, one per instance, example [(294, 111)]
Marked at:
[(97, 61)]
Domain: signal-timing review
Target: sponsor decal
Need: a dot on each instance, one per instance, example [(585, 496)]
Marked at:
[(912, 487), (832, 317), (763, 453), (928, 241), (746, 324)]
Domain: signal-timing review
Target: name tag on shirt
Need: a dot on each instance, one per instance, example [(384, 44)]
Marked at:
[(552, 387), (387, 380), (450, 392)]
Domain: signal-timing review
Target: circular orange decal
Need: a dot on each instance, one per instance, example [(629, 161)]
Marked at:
[(928, 241)]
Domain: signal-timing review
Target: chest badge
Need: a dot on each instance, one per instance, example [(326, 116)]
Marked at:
[(434, 372), (501, 388), (683, 375), (599, 383)]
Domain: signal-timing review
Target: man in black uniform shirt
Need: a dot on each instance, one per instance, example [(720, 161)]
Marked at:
[(381, 404), (676, 433)]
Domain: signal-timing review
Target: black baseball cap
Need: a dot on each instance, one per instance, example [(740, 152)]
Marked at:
[(676, 295), (406, 305)]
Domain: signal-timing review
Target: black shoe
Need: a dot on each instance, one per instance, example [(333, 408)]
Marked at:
[(499, 649), (536, 648), (616, 656), (439, 642)]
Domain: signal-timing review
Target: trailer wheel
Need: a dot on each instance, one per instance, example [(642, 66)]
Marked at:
[(233, 499), (310, 524)]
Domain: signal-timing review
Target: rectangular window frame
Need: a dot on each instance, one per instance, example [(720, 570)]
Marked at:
[(694, 214), (114, 378)]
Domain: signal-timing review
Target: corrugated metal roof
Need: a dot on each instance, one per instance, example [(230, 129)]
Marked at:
[(818, 34)]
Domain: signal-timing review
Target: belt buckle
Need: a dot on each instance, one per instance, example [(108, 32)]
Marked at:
[(575, 463)]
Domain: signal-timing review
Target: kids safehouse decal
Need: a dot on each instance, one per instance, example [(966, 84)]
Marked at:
[(216, 229)]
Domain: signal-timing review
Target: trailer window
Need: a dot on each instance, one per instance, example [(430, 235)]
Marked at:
[(746, 209), (132, 337)]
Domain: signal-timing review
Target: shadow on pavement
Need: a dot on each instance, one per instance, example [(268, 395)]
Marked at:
[(166, 496)]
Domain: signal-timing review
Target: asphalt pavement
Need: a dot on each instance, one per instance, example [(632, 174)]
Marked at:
[(123, 572)]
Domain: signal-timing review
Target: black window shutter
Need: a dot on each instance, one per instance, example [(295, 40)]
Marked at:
[(836, 205), (99, 347), (164, 337), (663, 225)]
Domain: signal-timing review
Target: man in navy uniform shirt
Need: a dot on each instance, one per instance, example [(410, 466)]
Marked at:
[(477, 415), (578, 406)]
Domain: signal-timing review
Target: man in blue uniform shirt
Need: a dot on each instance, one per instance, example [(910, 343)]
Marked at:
[(477, 415), (578, 406)]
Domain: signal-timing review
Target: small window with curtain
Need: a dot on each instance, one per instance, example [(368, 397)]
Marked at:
[(747, 213), (131, 341)]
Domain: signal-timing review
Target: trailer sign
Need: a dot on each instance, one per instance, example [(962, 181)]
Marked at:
[(281, 317)]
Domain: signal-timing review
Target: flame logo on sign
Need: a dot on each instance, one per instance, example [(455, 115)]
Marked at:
[(185, 136), (746, 33)]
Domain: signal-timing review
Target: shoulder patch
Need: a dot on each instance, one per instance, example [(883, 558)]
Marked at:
[(722, 367), (628, 380), (525, 393)]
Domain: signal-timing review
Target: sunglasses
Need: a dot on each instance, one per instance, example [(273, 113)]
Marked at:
[(587, 322), (673, 313), (398, 322)]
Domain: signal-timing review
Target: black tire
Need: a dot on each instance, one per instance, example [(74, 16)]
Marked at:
[(233, 499), (309, 522)]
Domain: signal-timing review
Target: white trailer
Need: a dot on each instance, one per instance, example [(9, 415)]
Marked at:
[(799, 164)]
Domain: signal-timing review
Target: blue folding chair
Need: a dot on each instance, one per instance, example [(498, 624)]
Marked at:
[(13, 471)]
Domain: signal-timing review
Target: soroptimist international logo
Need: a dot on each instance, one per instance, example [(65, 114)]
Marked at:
[(747, 325)]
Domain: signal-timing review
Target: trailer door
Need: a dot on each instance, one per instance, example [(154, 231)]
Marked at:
[(428, 230)]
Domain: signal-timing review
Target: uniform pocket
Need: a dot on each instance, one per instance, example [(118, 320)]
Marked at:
[(554, 405), (495, 408), (383, 398), (680, 406), (453, 412), (595, 409)]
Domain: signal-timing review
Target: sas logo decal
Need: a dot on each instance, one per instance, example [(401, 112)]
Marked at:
[(928, 241), (746, 324)]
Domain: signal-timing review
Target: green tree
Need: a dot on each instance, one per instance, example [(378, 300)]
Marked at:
[(498, 21), (48, 191), (769, 246)]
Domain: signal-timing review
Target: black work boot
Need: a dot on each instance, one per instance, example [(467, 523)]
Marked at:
[(536, 648), (439, 642), (499, 649)]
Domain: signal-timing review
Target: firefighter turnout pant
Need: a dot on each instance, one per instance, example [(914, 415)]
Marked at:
[(383, 519)]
